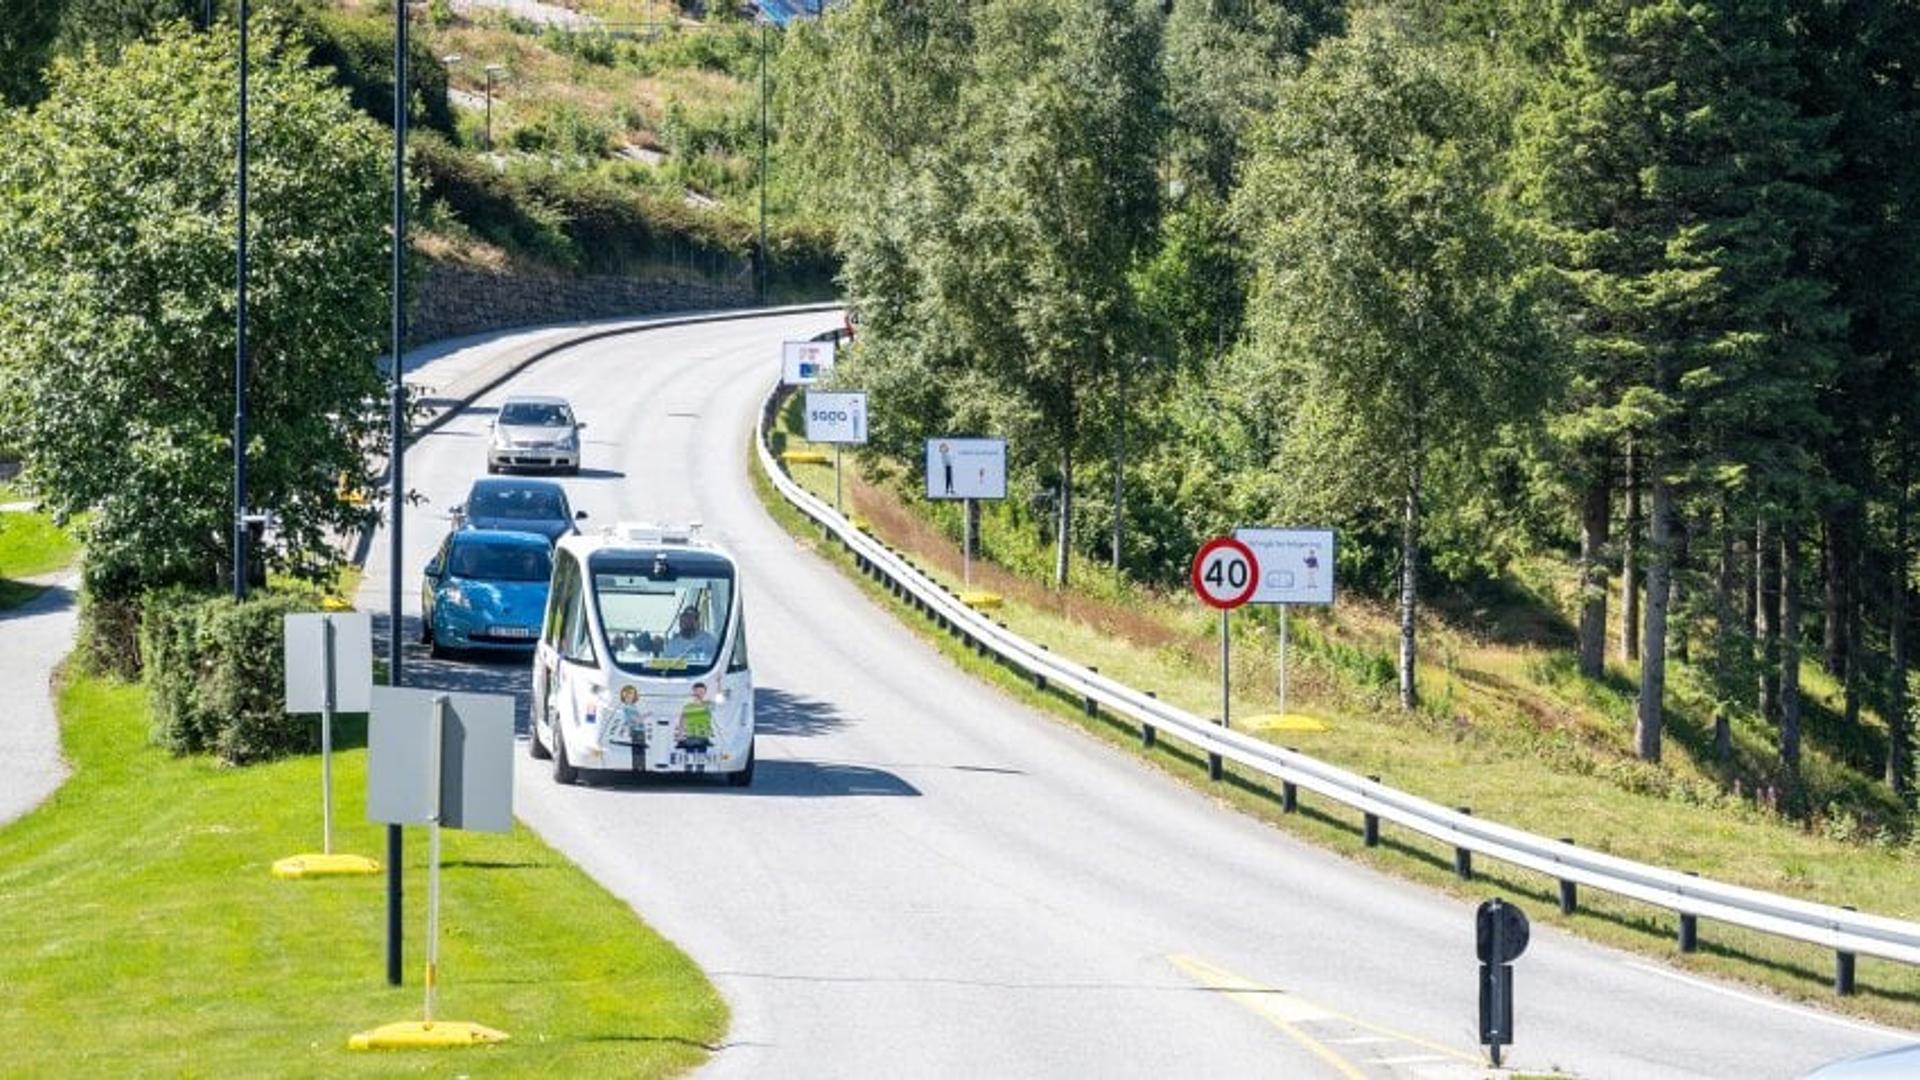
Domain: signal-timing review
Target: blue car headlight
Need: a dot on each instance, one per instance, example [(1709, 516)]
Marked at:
[(455, 596)]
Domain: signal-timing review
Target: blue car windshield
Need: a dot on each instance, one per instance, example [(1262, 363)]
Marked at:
[(500, 562), (518, 504)]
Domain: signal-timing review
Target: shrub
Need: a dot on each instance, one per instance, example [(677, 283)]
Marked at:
[(217, 674)]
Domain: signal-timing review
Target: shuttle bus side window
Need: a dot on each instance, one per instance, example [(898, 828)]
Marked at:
[(564, 572), (578, 639), (739, 661)]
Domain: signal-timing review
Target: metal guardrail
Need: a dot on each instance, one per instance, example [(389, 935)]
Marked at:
[(1847, 932)]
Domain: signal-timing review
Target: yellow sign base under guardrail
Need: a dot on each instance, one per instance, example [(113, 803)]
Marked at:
[(804, 457), (981, 601), (1285, 722), (294, 867), (425, 1035)]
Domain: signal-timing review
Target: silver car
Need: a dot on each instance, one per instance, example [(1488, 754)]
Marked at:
[(533, 432)]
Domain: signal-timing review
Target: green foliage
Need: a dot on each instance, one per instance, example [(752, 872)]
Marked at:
[(217, 674), (359, 51), (27, 34), (116, 327)]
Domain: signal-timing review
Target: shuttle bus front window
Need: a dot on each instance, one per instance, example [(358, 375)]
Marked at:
[(662, 619)]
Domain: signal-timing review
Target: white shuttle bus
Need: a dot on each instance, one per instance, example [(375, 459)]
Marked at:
[(642, 661)]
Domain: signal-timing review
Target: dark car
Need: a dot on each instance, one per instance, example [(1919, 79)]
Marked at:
[(532, 506)]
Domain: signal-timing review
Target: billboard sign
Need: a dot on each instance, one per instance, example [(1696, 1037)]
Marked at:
[(966, 468), (1296, 565)]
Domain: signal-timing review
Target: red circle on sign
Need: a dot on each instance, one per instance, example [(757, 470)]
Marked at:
[(1220, 591)]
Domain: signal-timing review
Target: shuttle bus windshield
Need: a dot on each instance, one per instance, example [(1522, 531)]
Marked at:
[(664, 616)]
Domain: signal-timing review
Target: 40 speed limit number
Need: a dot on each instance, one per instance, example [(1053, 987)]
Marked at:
[(1225, 573)]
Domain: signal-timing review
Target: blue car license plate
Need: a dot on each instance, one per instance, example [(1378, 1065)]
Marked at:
[(512, 631)]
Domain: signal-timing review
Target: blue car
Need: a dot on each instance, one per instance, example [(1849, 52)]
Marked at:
[(534, 506), (485, 591)]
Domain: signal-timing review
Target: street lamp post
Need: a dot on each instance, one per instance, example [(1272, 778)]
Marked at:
[(763, 160), (240, 329), (396, 456)]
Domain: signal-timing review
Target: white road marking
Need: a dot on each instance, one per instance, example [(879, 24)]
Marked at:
[(1408, 1059), (1755, 999)]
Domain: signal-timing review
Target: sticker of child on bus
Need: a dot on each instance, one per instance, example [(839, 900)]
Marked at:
[(696, 721)]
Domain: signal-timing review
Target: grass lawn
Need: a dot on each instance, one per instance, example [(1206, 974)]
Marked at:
[(145, 935), (30, 544), (1512, 733)]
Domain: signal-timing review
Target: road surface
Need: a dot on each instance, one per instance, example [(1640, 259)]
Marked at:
[(930, 879)]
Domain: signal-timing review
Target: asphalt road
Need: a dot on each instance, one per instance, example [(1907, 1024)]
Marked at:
[(929, 879), (33, 639)]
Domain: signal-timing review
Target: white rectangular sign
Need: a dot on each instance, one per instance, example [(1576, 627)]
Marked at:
[(305, 647), (837, 416), (804, 362), (476, 760), (966, 468), (1296, 565)]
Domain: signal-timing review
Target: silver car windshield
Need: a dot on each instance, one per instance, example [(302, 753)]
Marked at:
[(663, 625), (533, 414)]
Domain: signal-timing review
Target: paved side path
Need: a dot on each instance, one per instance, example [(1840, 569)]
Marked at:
[(33, 638)]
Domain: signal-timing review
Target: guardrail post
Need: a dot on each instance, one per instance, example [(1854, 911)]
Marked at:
[(1689, 932), (1843, 970), (1462, 858), (1093, 707), (1289, 791), (1569, 891), (1370, 824), (1147, 731)]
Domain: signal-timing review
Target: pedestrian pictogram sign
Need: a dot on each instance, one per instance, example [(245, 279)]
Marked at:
[(1225, 573)]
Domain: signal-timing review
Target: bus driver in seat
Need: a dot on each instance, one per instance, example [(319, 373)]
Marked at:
[(688, 639)]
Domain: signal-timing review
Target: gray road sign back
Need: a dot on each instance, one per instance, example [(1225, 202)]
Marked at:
[(352, 662), (476, 760)]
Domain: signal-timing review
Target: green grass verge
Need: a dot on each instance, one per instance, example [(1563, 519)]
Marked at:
[(1443, 761), (30, 544), (146, 936)]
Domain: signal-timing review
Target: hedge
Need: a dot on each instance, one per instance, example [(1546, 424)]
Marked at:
[(216, 674)]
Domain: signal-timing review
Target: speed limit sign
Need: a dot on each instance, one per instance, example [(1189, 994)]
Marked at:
[(1225, 573)]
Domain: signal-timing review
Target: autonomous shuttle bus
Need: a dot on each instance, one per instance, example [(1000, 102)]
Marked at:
[(642, 662)]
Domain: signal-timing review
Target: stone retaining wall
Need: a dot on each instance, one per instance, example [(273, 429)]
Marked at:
[(453, 300)]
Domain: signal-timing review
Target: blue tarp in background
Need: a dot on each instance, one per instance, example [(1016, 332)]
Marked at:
[(782, 12)]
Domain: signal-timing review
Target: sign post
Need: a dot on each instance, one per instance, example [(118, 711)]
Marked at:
[(329, 669), (966, 470), (1296, 567), (1501, 933), (1225, 574), (838, 417), (440, 760)]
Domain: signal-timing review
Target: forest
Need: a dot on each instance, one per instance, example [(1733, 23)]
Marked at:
[(1628, 284)]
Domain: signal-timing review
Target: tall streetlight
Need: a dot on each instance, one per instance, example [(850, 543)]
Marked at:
[(762, 260), (396, 456), (240, 330)]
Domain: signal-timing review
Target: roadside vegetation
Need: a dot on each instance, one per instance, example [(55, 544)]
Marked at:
[(161, 944), (1590, 328), (1511, 731), (31, 545)]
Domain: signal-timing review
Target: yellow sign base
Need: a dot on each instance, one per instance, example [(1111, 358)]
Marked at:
[(981, 601), (804, 457), (1287, 722), (425, 1035), (294, 867)]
